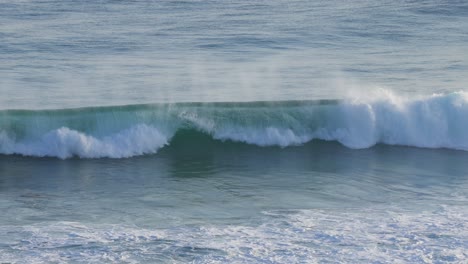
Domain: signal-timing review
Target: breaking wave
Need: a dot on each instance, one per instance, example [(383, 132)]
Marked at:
[(437, 121)]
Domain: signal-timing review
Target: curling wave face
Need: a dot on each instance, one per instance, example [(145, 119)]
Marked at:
[(437, 121)]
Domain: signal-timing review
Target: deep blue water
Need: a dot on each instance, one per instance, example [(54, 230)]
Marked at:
[(233, 131)]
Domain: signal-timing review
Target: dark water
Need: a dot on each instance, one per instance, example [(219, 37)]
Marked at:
[(357, 154)]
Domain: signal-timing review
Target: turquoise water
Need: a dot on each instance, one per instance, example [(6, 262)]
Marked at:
[(233, 132)]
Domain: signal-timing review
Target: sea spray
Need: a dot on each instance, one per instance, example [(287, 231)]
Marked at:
[(437, 121)]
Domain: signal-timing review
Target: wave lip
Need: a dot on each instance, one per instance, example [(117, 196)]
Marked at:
[(437, 121)]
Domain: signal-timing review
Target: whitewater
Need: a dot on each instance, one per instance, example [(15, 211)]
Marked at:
[(436, 121)]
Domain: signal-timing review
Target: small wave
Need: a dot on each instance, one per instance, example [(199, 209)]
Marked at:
[(437, 121)]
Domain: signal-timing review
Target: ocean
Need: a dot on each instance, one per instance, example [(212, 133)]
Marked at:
[(233, 131)]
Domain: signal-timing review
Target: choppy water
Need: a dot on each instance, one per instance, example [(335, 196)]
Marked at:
[(233, 131)]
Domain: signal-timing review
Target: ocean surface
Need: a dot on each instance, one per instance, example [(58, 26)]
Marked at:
[(233, 131)]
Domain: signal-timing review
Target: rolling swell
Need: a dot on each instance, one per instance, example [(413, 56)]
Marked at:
[(437, 121)]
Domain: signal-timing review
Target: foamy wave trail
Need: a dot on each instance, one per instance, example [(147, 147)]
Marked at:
[(437, 121)]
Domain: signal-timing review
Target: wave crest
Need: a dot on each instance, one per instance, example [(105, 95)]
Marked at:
[(438, 121)]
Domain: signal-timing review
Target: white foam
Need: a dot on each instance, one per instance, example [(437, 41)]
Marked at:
[(65, 143), (268, 136), (438, 121), (371, 235)]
